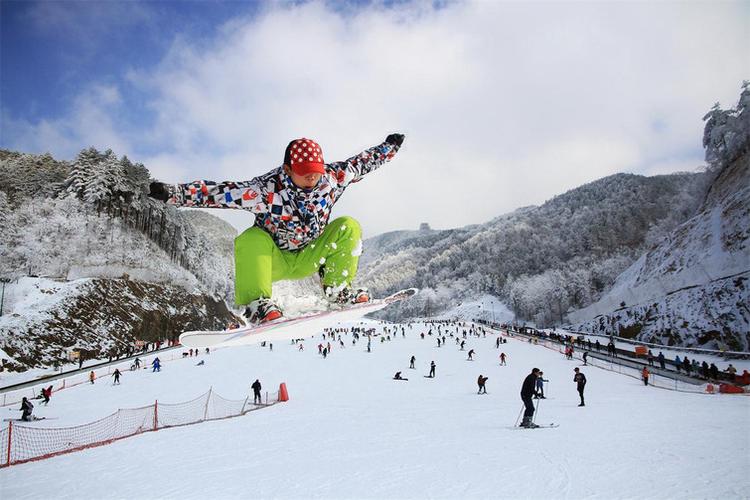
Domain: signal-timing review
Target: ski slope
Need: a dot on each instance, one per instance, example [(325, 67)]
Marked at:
[(350, 431)]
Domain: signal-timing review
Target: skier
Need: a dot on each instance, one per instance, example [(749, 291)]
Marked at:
[(156, 364), (46, 394), (527, 392), (432, 370), (137, 363), (480, 382), (580, 379), (644, 375), (256, 392), (502, 359), (116, 374), (26, 408), (92, 376), (540, 380), (292, 237), (471, 355), (585, 357), (411, 362)]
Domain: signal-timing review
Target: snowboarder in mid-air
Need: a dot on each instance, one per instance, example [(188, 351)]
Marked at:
[(528, 388), (292, 237)]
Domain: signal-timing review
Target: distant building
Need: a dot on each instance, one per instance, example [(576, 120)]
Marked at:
[(425, 227)]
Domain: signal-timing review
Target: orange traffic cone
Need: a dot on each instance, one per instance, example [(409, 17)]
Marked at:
[(283, 395)]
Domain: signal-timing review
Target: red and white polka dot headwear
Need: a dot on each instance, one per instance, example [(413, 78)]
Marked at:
[(304, 156)]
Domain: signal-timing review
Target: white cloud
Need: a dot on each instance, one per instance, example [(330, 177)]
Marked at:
[(504, 104)]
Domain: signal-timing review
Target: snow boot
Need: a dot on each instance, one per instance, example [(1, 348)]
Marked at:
[(261, 311), (347, 295)]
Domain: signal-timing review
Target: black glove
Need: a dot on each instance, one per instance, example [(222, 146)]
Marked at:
[(395, 139), (159, 191)]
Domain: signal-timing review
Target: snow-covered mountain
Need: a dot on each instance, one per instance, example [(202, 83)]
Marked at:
[(92, 263), (693, 288), (541, 260)]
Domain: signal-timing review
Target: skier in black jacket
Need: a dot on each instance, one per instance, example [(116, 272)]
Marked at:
[(26, 408), (580, 379), (256, 392), (527, 392)]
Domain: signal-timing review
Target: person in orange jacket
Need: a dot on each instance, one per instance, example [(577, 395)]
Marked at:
[(92, 376), (645, 373)]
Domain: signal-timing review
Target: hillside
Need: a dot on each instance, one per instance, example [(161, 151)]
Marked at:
[(541, 260), (693, 288), (112, 265)]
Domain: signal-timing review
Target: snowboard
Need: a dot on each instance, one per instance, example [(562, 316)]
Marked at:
[(289, 328)]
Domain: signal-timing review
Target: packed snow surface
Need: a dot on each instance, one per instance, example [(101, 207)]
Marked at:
[(351, 431)]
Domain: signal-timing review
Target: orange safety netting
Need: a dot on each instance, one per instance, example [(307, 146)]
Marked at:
[(22, 442)]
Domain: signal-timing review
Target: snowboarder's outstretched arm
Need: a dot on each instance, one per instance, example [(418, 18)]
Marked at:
[(356, 167), (247, 195)]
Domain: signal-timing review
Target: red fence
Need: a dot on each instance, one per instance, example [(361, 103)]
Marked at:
[(22, 442)]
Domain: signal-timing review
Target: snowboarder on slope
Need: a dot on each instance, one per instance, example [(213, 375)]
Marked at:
[(527, 392), (156, 364), (292, 237), (116, 375), (411, 362), (580, 379), (502, 359), (480, 382), (432, 369)]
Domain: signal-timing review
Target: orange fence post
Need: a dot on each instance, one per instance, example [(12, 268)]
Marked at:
[(10, 433), (283, 394)]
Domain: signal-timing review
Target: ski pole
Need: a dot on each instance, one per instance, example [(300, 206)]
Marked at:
[(536, 411), (519, 415)]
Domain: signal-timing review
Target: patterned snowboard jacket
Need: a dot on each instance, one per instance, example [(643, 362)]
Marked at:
[(294, 217)]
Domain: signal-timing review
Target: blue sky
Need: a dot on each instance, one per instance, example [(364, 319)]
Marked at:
[(504, 104)]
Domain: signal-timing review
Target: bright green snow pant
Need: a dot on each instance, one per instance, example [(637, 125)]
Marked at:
[(258, 262)]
